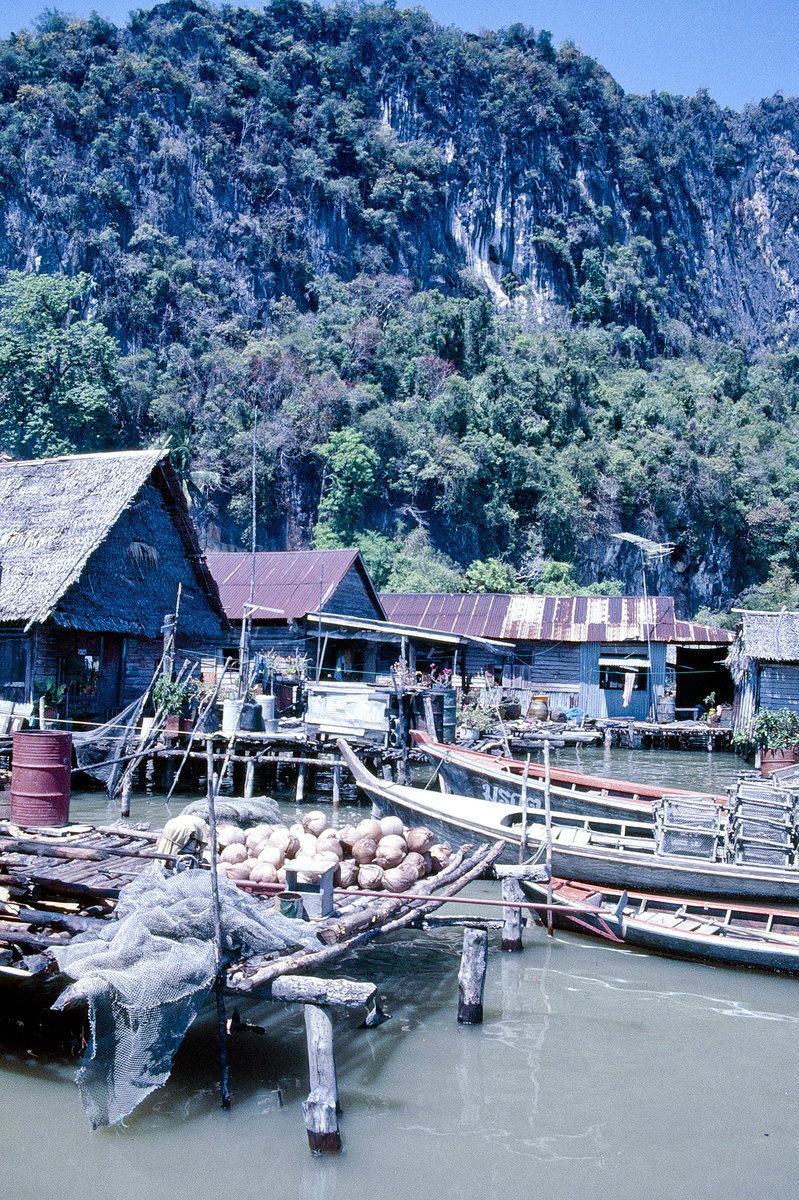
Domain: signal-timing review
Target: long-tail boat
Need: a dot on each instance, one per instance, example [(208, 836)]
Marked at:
[(489, 777), (730, 934), (593, 849)]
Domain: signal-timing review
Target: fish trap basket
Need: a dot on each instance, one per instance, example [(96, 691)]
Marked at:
[(763, 854), (688, 843)]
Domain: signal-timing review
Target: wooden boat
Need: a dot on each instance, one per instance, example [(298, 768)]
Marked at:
[(594, 849), (733, 935), (486, 777)]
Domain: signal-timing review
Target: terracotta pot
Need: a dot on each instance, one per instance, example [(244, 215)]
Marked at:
[(775, 760)]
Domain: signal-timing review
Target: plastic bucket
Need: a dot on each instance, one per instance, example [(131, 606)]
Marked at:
[(41, 777), (267, 704), (231, 716)]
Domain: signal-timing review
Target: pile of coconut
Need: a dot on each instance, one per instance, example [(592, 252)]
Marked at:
[(374, 855)]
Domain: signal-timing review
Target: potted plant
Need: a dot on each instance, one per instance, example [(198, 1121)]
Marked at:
[(53, 694), (775, 733), (171, 697)]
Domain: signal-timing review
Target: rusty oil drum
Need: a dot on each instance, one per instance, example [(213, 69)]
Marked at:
[(41, 765)]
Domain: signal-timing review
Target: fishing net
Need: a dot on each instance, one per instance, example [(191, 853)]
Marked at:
[(238, 811), (146, 974), (100, 751)]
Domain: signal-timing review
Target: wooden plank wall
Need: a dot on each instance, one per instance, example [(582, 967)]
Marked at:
[(779, 686), (599, 702)]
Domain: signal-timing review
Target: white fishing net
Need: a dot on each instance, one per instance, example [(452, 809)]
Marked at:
[(147, 973), (101, 752)]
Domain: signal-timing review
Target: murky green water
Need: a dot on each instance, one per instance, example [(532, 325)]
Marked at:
[(598, 1073)]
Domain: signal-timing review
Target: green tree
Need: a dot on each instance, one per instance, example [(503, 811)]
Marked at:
[(350, 483), (490, 575), (59, 382)]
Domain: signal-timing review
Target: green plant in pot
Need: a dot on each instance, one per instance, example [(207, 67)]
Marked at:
[(775, 733), (171, 696)]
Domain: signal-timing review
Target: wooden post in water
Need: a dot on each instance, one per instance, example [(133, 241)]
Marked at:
[(127, 784), (321, 1108), (300, 783), (249, 778), (512, 918), (523, 839), (472, 976), (548, 819), (336, 792)]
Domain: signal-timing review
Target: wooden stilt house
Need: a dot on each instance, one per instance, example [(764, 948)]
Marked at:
[(92, 549)]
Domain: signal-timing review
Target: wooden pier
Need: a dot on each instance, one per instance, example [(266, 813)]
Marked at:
[(676, 735), (65, 881)]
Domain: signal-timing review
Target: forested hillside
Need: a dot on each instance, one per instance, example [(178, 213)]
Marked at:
[(487, 309)]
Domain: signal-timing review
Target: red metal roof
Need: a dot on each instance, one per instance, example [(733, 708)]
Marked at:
[(287, 582), (550, 618)]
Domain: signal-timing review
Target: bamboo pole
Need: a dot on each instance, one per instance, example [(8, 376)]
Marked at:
[(548, 820), (193, 734), (523, 839), (219, 981)]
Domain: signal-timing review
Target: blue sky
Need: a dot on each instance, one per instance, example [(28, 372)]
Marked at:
[(738, 49)]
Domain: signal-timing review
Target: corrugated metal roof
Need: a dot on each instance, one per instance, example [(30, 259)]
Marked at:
[(287, 582), (551, 618)]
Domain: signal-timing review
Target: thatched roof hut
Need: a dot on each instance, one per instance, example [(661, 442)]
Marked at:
[(100, 542)]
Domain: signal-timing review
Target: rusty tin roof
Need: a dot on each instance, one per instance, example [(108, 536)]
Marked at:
[(551, 618), (287, 582)]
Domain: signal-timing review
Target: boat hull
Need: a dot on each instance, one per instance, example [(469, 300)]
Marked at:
[(725, 945), (630, 863)]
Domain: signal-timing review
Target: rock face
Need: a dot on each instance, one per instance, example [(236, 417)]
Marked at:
[(271, 147)]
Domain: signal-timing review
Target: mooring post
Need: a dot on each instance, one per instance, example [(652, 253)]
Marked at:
[(472, 976), (321, 1108), (127, 784), (300, 783), (512, 918), (336, 791), (249, 778)]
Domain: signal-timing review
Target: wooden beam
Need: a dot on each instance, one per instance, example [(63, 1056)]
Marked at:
[(306, 989)]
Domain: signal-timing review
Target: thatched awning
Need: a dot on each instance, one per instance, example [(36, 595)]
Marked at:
[(57, 518), (770, 636)]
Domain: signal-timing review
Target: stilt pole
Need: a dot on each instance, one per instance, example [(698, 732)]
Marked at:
[(472, 976), (321, 1108)]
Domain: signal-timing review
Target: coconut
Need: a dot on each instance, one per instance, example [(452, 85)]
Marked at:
[(329, 843), (418, 863), (264, 831), (308, 845), (281, 875), (229, 835), (255, 843), (314, 822), (439, 857), (364, 851), (273, 856), (234, 871), (234, 853), (420, 839), (348, 836), (263, 872), (297, 829), (388, 854), (391, 825), (370, 876), (280, 836), (346, 873), (398, 879), (370, 829), (394, 839)]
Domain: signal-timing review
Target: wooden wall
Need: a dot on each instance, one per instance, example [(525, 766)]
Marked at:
[(779, 686), (600, 702)]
